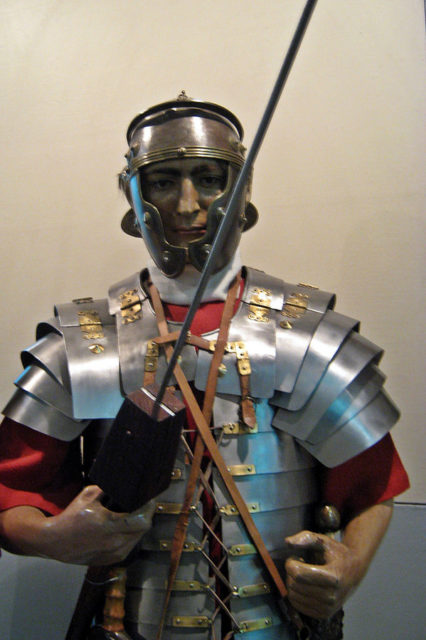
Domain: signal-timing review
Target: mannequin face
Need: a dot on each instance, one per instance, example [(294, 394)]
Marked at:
[(182, 191)]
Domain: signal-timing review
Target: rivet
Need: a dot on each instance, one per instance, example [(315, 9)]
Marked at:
[(96, 348)]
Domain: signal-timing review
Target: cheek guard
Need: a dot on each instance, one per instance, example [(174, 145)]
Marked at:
[(144, 220)]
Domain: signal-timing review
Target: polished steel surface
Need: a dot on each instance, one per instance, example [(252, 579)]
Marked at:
[(353, 356), (41, 417), (48, 352), (327, 339), (36, 382), (365, 429)]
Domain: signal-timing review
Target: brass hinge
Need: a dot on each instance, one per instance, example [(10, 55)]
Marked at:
[(242, 469), (186, 585), (260, 304), (295, 305), (151, 356), (231, 509), (176, 474), (250, 590), (201, 622), (242, 550), (239, 428), (261, 297), (166, 545), (239, 348), (90, 325), (258, 314), (243, 361), (130, 306), (253, 625), (83, 300), (168, 508)]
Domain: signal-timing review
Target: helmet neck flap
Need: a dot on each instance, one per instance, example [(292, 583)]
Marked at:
[(184, 128)]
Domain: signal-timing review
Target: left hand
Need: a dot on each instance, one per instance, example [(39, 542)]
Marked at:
[(320, 588)]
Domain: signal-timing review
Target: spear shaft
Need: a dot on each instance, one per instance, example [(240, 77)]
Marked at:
[(230, 211)]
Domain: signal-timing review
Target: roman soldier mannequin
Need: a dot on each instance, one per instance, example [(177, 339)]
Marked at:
[(298, 410)]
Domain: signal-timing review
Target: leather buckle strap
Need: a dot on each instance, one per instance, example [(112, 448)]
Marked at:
[(233, 491), (183, 520)]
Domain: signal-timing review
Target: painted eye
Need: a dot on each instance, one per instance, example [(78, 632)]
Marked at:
[(209, 181), (161, 184)]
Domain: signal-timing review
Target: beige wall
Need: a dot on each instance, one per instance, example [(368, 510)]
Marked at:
[(339, 182)]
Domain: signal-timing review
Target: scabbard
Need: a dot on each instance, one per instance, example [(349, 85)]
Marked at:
[(89, 601)]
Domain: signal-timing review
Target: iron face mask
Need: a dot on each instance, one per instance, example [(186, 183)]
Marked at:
[(175, 130)]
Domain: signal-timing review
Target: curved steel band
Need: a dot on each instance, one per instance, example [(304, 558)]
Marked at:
[(321, 376), (198, 133), (171, 153)]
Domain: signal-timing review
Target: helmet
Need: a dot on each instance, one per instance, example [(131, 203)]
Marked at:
[(184, 128)]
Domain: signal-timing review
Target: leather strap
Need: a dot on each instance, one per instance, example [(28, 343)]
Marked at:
[(247, 408), (211, 445), (183, 520)]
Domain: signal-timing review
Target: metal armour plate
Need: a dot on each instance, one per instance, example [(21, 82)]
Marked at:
[(49, 353), (353, 356), (43, 418), (39, 384)]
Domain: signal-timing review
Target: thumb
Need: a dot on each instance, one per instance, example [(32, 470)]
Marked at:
[(307, 546), (92, 493), (305, 540)]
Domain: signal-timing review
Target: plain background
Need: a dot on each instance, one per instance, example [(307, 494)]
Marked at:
[(339, 182)]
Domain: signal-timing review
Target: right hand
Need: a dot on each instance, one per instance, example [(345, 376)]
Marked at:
[(88, 533)]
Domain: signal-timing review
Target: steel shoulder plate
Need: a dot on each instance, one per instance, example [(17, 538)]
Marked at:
[(91, 345), (362, 431), (136, 325), (49, 354), (43, 400), (254, 326), (37, 415), (342, 415), (303, 310), (48, 326), (37, 383)]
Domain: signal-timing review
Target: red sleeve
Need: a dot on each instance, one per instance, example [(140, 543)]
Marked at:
[(37, 470), (373, 476)]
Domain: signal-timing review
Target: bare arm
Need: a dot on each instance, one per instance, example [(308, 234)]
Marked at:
[(84, 533), (319, 590)]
